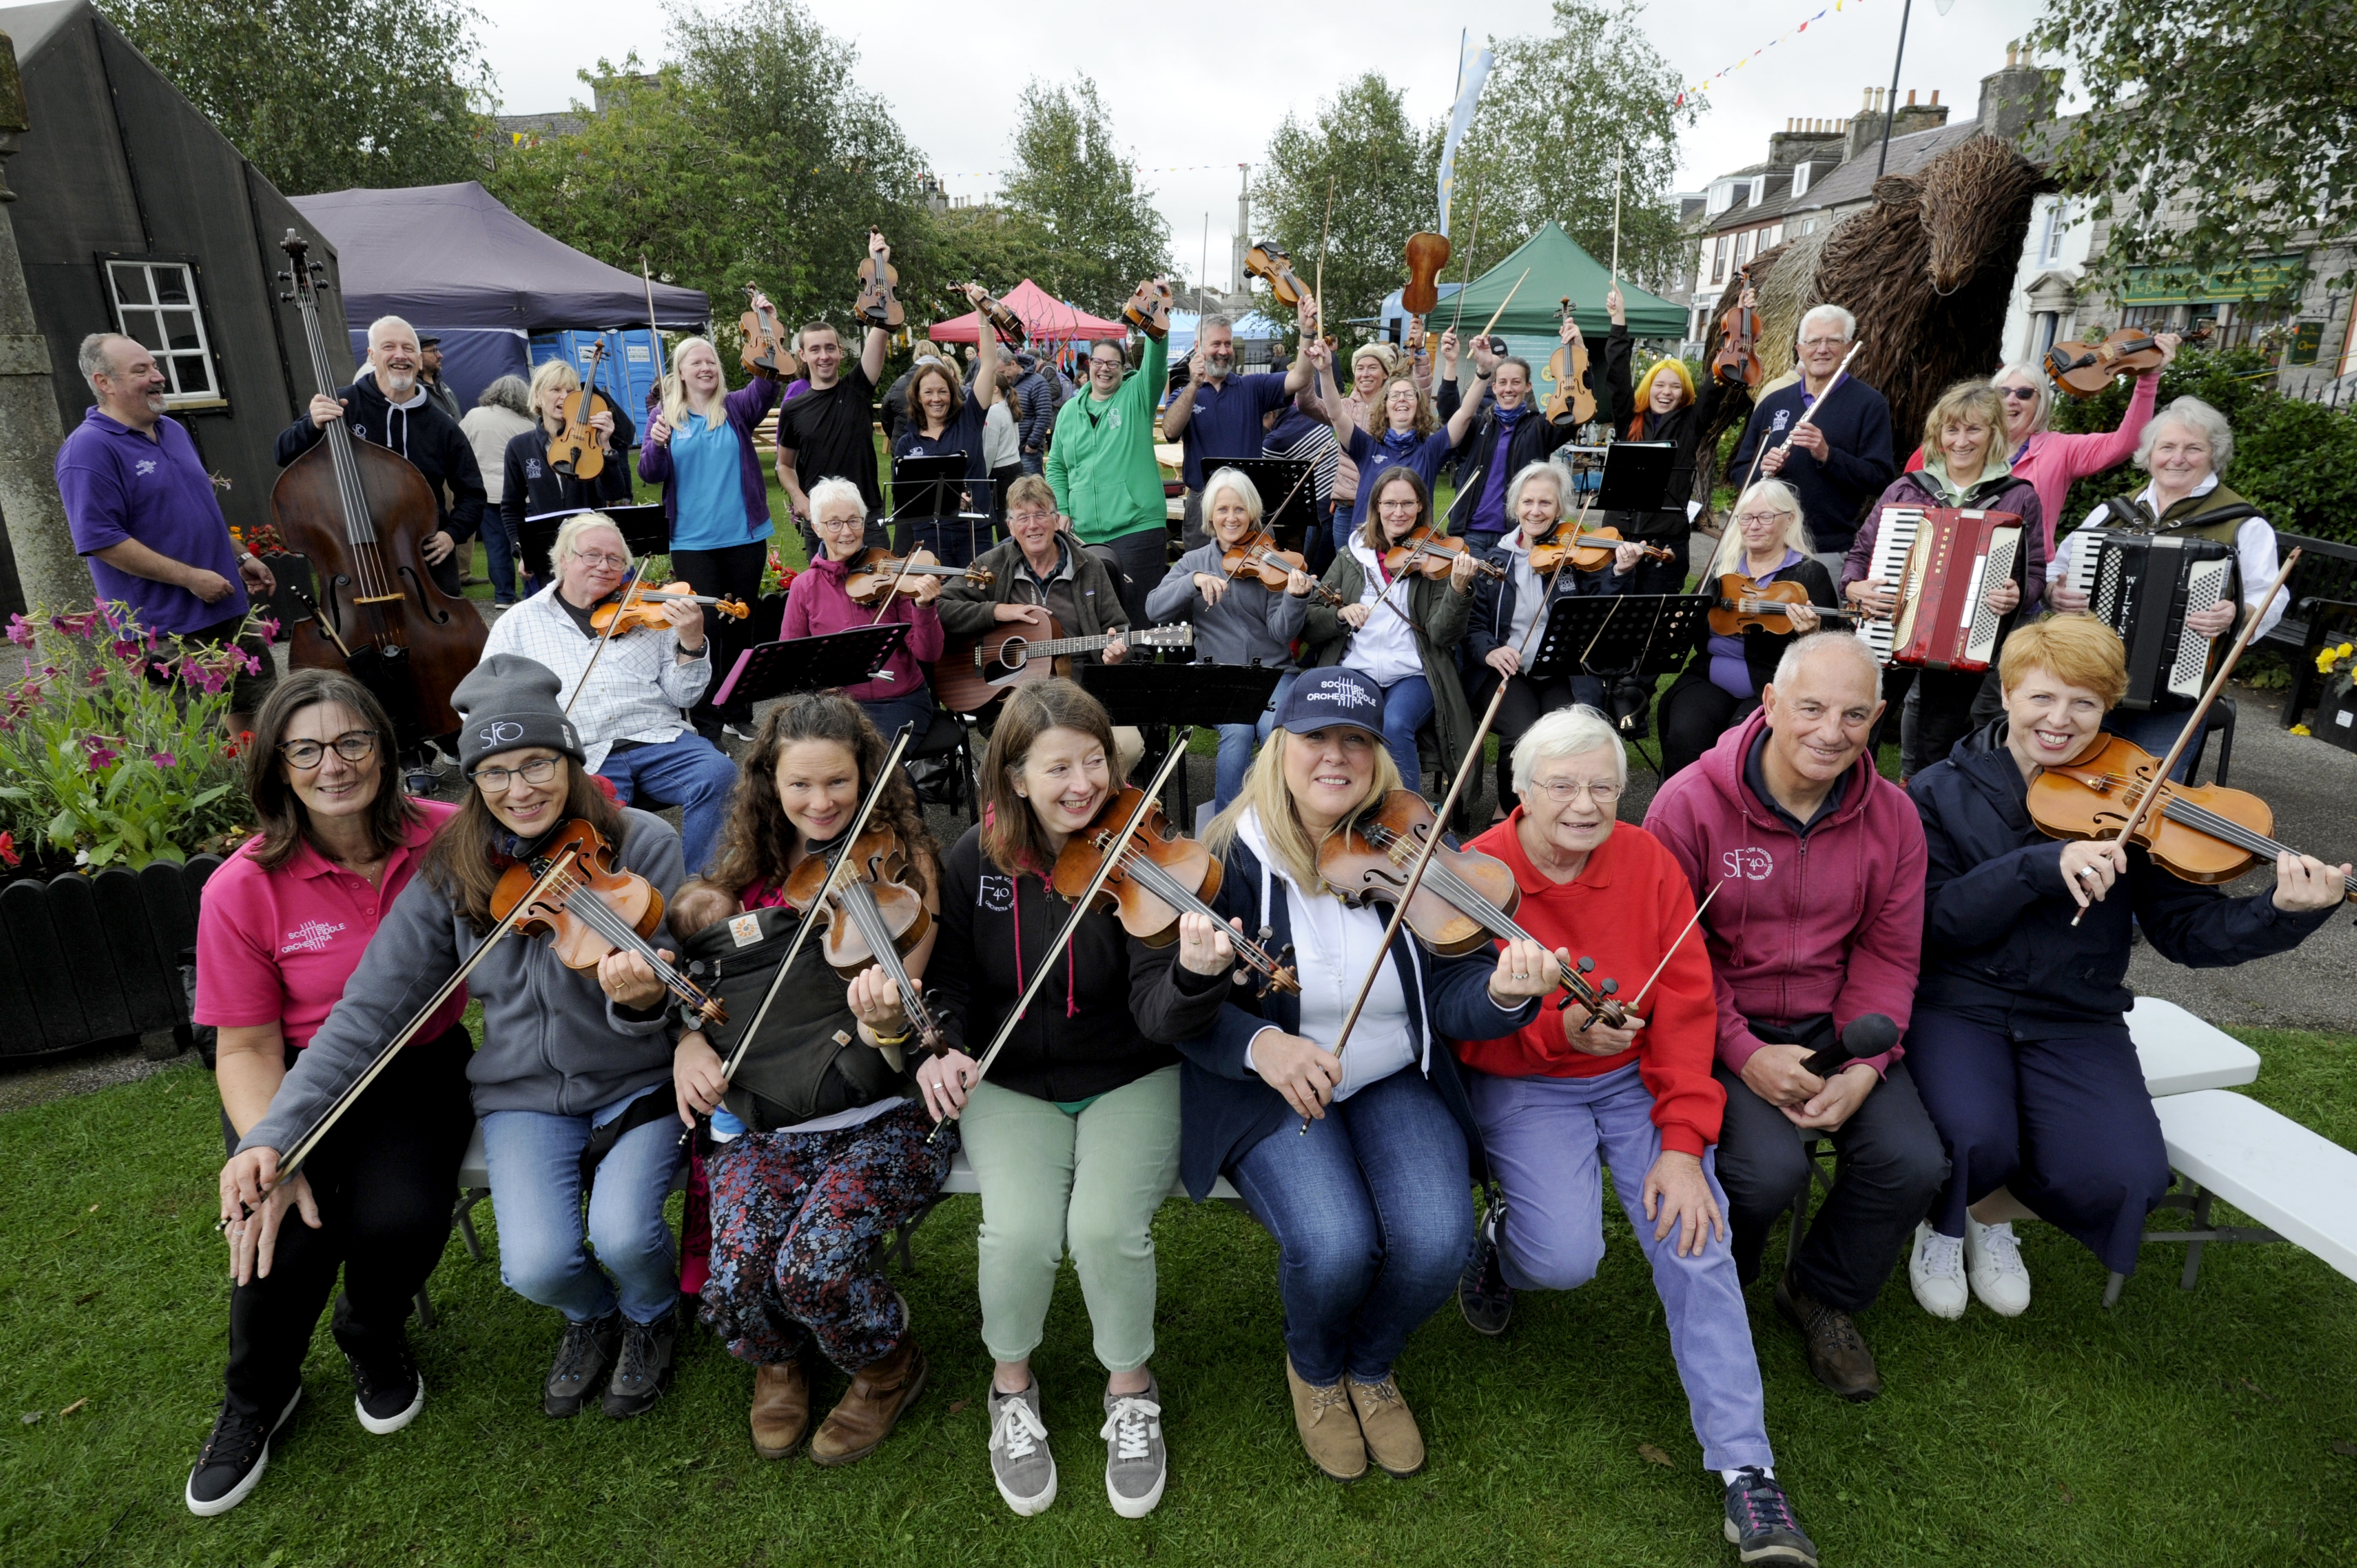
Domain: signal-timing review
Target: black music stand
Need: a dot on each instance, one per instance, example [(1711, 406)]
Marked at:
[(1288, 492), (645, 528), (1153, 695), (810, 663), (1636, 475), (1621, 638), (927, 489)]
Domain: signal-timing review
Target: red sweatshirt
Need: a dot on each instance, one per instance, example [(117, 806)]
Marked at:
[(1627, 904), (1829, 923), (816, 604)]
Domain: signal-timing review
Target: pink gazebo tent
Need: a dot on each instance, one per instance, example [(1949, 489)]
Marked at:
[(1046, 318)]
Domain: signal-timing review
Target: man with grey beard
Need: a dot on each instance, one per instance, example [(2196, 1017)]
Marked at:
[(386, 403)]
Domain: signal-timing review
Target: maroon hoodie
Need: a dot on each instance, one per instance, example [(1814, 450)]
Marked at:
[(1802, 926)]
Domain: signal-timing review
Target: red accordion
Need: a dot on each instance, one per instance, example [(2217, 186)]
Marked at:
[(1941, 562)]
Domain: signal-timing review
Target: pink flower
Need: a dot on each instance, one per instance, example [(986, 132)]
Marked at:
[(97, 676), (127, 650), (8, 855), (163, 759), (20, 632), (270, 627), (253, 665), (100, 754)]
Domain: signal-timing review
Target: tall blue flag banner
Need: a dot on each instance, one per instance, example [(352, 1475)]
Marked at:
[(1473, 69)]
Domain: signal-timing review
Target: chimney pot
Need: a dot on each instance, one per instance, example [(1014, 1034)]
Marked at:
[(1910, 98), (1935, 97)]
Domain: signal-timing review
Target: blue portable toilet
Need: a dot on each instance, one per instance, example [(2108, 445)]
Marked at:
[(625, 373)]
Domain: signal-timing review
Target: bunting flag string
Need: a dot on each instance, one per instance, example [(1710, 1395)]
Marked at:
[(1792, 32)]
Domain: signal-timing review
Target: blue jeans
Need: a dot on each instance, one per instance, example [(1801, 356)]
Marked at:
[(687, 771), (1372, 1213), (888, 713), (501, 553), (1547, 1139), (535, 1165), (1408, 703), (1236, 742)]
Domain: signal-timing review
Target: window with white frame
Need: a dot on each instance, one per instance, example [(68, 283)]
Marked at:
[(1800, 180), (2057, 223), (156, 307), (1718, 263)]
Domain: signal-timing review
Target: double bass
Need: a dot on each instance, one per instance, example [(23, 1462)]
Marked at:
[(361, 514)]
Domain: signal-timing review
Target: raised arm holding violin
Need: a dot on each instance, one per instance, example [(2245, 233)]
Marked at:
[(828, 431)]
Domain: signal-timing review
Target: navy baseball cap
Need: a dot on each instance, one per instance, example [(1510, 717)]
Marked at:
[(1333, 695)]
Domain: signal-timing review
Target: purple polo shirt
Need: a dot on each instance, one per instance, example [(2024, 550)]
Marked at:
[(1489, 509), (118, 484), (1225, 422)]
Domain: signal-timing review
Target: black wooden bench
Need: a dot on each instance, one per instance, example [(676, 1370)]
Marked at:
[(2323, 590)]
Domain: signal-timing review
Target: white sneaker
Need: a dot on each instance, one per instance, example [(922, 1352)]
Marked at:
[(1935, 1270), (1994, 1258), (1019, 1460)]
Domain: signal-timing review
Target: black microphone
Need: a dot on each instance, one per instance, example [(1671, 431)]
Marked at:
[(1869, 1035)]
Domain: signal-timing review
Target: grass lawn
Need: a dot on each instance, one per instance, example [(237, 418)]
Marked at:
[(2214, 1428)]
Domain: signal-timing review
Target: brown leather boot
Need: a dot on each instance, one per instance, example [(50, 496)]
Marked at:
[(1838, 1357), (781, 1408), (1389, 1426), (870, 1407), (1330, 1428)]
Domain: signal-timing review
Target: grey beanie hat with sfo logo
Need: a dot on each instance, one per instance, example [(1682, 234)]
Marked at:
[(507, 703)]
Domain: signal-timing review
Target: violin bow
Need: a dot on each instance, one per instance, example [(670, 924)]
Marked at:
[(308, 1143), (1672, 951), (1457, 317), (595, 653), (1111, 858), (2158, 784), (809, 915), (1619, 162), (1808, 415), (654, 333)]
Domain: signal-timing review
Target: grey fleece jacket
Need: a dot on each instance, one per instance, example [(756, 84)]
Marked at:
[(552, 1040), (1251, 621)]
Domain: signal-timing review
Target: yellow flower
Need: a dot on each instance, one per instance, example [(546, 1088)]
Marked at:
[(2325, 661), (2301, 729), (2345, 650)]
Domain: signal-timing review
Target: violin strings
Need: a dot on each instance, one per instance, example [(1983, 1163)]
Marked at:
[(1467, 900), (1148, 874), (856, 897), (591, 910), (2178, 809)]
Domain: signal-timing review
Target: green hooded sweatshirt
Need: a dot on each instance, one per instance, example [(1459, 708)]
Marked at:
[(1100, 462)]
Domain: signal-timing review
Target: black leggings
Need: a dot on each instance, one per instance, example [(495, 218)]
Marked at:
[(733, 572), (385, 1180), (1694, 714), (1526, 699), (1942, 708)]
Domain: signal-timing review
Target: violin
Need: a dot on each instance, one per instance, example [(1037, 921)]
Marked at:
[(1419, 354), (1568, 366), (1548, 553), (1427, 254), (1256, 555), (877, 572), (1466, 900), (2084, 369), (576, 450), (1744, 602), (1148, 309), (1005, 322), (764, 339), (876, 304), (592, 909), (1736, 363), (642, 608), (1272, 264), (1158, 877), (2206, 833), (875, 915), (1433, 554)]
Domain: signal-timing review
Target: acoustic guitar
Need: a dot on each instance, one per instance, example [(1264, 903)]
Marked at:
[(975, 672)]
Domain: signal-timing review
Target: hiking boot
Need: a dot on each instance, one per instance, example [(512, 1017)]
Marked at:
[(1482, 1293), (387, 1392), (1388, 1426), (230, 1464), (781, 1407), (878, 1395), (1137, 1465), (1935, 1272), (1329, 1427), (582, 1357), (1019, 1460), (1761, 1524), (643, 1369), (1993, 1258), (1838, 1357)]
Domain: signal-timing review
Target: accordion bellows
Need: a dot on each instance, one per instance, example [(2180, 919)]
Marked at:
[(1942, 561), (2143, 585)]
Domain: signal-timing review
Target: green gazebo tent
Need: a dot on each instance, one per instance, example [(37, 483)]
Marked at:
[(1559, 267)]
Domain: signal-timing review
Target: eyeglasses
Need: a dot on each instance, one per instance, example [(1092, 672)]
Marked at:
[(1823, 342), (497, 780), (1030, 516), (1560, 790), (2022, 394), (599, 558), (1758, 518), (352, 746)]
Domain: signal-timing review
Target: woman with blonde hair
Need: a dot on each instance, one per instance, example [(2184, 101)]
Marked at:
[(699, 448), (1663, 404), (534, 499), (1355, 1161), (1721, 685), (1969, 468), (1406, 432)]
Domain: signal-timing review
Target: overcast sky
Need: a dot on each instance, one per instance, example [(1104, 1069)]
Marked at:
[(1189, 104)]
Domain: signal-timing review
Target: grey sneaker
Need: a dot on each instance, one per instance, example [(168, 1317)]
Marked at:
[(582, 1357), (1136, 1463), (1019, 1460), (643, 1369)]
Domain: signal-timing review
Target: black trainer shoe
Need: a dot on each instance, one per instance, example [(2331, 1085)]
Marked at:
[(644, 1367), (387, 1392), (234, 1458), (582, 1357), (1761, 1524), (1482, 1293)]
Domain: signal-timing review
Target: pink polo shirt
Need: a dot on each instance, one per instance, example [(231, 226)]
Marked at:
[(276, 947)]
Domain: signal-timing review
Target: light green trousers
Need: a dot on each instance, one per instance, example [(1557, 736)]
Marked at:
[(1089, 1184)]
